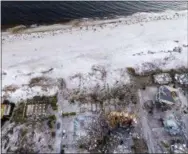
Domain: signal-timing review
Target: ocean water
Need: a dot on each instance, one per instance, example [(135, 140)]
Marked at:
[(39, 12)]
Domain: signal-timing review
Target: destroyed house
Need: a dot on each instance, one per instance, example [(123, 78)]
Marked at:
[(171, 124), (82, 122), (182, 78), (166, 95)]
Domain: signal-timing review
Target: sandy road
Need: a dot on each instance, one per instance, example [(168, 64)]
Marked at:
[(145, 127)]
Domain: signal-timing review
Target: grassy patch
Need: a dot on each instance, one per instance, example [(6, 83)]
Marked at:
[(52, 117), (166, 145), (10, 88), (66, 114), (18, 114), (23, 132), (38, 81), (139, 146), (51, 121), (131, 70), (54, 102)]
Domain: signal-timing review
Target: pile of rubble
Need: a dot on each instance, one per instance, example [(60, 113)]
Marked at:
[(182, 78), (172, 124), (122, 119), (107, 133), (179, 148)]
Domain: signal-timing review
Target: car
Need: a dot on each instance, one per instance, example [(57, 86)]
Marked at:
[(58, 125)]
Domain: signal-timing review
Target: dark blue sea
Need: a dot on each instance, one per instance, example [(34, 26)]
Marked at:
[(50, 12)]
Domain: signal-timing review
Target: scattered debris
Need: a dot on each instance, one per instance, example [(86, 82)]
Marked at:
[(4, 73), (185, 110), (41, 81), (179, 148), (131, 70), (184, 45), (147, 68), (150, 52), (10, 88), (177, 49), (47, 71), (80, 124)]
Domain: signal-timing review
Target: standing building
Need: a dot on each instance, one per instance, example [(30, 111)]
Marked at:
[(6, 111), (166, 95)]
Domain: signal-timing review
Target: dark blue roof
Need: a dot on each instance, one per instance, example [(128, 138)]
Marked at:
[(165, 94)]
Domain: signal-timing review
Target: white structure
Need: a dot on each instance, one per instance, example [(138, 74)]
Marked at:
[(5, 109), (163, 78)]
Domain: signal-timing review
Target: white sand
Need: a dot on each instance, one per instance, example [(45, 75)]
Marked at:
[(75, 50)]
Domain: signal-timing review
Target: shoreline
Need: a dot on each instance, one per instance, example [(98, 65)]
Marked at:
[(136, 18)]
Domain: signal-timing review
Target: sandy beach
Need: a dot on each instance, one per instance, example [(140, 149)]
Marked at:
[(111, 45)]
